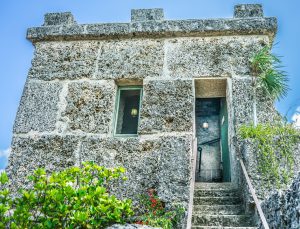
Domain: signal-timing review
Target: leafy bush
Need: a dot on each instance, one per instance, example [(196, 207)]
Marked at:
[(276, 144), (156, 214), (74, 198)]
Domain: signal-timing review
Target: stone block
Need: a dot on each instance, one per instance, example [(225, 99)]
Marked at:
[(43, 33), (107, 29), (141, 165), (211, 56), (266, 111), (71, 29), (59, 19), (167, 106), (248, 10), (147, 15), (64, 60), (90, 106), (130, 59), (243, 108), (175, 169), (38, 108), (160, 163), (53, 153), (242, 101)]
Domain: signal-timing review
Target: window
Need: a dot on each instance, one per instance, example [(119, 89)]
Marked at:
[(128, 110)]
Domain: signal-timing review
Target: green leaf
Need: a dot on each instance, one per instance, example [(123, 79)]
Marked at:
[(3, 178), (266, 67), (73, 198)]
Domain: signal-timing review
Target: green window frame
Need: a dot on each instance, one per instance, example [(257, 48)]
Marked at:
[(116, 125)]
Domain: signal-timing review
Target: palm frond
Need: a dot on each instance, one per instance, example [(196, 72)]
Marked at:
[(266, 66), (275, 83)]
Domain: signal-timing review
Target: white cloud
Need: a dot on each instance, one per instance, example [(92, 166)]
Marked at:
[(5, 153), (296, 118)]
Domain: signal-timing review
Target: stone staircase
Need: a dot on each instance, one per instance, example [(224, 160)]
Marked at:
[(218, 205)]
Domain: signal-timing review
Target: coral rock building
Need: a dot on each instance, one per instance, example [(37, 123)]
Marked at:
[(163, 98)]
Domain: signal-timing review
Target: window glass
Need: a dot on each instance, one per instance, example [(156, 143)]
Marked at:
[(128, 110)]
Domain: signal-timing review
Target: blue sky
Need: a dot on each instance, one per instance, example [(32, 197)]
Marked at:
[(16, 52)]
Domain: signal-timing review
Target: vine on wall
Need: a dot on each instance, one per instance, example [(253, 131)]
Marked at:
[(275, 154)]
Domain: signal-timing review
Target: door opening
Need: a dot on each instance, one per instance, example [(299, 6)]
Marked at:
[(213, 164)]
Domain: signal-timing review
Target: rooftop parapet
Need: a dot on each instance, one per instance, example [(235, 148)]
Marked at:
[(59, 19), (248, 20), (147, 15), (248, 10)]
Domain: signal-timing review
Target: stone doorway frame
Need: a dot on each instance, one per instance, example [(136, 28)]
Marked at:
[(212, 87), (213, 83)]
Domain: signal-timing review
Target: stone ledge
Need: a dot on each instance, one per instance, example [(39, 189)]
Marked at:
[(154, 29)]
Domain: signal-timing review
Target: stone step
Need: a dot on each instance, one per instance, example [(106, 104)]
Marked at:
[(218, 209), (220, 227), (206, 186), (223, 220), (216, 200), (216, 192)]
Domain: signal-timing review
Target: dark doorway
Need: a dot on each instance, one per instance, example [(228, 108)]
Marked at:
[(211, 131)]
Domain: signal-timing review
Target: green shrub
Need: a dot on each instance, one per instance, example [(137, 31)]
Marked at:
[(73, 198), (276, 145), (156, 214)]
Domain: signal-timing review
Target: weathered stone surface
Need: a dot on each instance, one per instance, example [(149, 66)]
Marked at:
[(243, 114), (102, 30), (250, 155), (127, 152), (38, 107), (90, 106), (242, 108), (266, 111), (211, 56), (220, 205), (72, 87), (130, 59), (59, 19), (223, 220), (151, 29), (147, 15), (167, 106), (64, 60), (70, 29), (174, 171), (248, 10), (43, 32), (161, 163), (282, 207), (29, 153)]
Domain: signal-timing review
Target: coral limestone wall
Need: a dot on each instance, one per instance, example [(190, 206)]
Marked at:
[(282, 207), (67, 108)]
